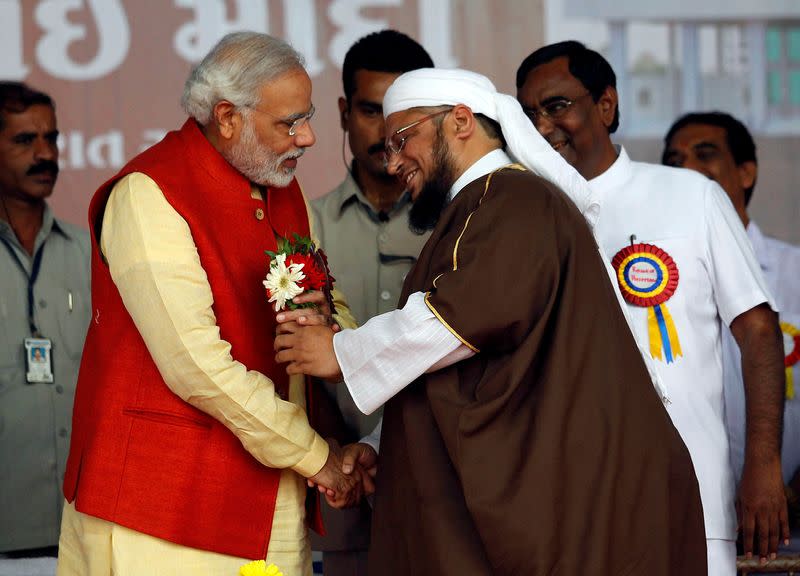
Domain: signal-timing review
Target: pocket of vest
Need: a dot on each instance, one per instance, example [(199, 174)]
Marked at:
[(167, 418)]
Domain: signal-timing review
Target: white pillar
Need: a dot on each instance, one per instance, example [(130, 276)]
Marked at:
[(618, 58), (690, 69), (756, 37)]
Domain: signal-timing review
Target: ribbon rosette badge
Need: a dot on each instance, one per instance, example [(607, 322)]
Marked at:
[(648, 277)]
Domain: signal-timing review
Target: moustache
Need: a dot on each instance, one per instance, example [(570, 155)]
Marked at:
[(375, 148), (43, 167), (293, 155)]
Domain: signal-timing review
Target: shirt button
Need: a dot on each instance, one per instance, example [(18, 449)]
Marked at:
[(43, 303), (385, 295), (259, 214), (382, 237), (63, 432), (59, 389)]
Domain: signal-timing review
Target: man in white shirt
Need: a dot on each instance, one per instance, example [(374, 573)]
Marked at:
[(719, 146), (519, 433), (684, 266)]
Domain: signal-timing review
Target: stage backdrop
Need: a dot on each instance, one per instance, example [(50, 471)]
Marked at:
[(116, 68)]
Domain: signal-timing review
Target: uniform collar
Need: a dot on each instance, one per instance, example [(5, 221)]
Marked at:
[(49, 224), (349, 193)]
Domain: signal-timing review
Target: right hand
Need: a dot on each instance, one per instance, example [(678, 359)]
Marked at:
[(362, 459), (335, 484)]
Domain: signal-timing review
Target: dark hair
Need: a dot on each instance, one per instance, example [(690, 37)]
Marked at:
[(588, 66), (16, 97), (740, 141), (384, 51)]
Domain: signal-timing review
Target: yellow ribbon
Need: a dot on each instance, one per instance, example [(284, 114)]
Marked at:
[(657, 343), (789, 329)]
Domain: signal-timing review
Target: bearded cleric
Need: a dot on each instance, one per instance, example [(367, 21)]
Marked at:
[(522, 432), (191, 449)]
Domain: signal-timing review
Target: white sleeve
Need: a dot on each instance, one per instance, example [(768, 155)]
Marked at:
[(374, 437), (392, 350), (738, 282)]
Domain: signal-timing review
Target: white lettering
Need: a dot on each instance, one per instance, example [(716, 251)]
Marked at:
[(436, 32), (194, 39), (346, 15), (102, 151), (150, 137), (300, 20), (52, 50), (12, 66), (106, 150)]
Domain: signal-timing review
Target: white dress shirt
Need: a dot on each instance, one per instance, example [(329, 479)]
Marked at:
[(780, 263), (692, 219)]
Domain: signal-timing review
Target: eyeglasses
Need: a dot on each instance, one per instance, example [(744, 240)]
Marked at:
[(394, 145), (554, 109), (294, 122)]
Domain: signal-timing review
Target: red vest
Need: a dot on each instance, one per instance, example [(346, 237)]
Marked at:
[(140, 456)]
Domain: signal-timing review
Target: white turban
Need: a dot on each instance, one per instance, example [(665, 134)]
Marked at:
[(439, 87)]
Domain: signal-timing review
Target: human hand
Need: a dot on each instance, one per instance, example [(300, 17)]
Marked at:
[(308, 350), (319, 315), (362, 459), (761, 507), (342, 489)]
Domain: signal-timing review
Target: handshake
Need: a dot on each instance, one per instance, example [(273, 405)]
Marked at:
[(304, 342), (348, 474)]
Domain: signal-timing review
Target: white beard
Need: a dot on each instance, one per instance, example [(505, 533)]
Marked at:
[(258, 163)]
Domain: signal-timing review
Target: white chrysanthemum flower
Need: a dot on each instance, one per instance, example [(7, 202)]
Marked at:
[(282, 281)]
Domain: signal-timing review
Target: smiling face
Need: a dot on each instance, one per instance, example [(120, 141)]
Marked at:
[(580, 132), (28, 154), (363, 120)]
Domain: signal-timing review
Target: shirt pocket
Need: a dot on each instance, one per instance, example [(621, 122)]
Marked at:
[(73, 320)]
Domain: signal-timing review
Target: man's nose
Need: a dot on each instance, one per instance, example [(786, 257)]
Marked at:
[(393, 163), (543, 124), (45, 150), (305, 137)]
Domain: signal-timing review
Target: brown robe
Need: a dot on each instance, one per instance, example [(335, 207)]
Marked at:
[(549, 451)]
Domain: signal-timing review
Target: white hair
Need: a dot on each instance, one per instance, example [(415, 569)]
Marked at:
[(235, 70)]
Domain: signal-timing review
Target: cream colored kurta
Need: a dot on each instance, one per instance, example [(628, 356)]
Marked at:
[(153, 261)]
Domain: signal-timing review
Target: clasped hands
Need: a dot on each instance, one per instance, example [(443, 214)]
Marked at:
[(304, 341)]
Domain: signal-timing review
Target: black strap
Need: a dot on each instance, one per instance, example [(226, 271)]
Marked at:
[(37, 264)]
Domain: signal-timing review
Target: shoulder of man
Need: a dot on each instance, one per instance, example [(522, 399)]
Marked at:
[(328, 206)]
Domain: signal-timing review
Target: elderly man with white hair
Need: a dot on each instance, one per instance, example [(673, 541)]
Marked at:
[(191, 448), (522, 433)]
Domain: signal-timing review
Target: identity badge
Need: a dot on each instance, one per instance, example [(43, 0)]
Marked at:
[(39, 360)]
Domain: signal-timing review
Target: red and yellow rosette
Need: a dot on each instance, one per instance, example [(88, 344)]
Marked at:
[(792, 355), (648, 277)]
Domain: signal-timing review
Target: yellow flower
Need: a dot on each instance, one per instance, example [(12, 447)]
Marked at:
[(259, 568)]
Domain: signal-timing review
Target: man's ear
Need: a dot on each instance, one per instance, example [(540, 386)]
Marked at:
[(344, 112), (747, 171), (227, 119), (607, 105), (464, 121)]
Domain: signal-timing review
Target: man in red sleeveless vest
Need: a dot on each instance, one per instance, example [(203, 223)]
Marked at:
[(190, 446)]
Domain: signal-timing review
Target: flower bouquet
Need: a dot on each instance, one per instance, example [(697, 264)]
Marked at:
[(297, 266)]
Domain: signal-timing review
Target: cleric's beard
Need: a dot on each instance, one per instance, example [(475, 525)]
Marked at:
[(432, 199), (258, 163)]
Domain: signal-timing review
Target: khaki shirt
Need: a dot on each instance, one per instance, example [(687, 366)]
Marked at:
[(35, 419)]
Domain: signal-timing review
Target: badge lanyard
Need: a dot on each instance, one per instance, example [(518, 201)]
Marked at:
[(37, 264)]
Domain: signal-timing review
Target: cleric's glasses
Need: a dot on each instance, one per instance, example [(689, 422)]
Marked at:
[(395, 143)]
